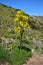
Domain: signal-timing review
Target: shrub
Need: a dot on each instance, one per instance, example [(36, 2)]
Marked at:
[(19, 55), (2, 53)]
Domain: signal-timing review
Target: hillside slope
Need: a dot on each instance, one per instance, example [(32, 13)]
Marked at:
[(40, 18), (7, 15), (32, 39)]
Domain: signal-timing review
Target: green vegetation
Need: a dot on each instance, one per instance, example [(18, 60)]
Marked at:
[(41, 50), (2, 53), (32, 38), (19, 56), (15, 55)]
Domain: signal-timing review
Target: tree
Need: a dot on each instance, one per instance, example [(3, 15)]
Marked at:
[(20, 23)]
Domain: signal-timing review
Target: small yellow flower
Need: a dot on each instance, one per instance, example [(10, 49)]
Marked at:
[(26, 25), (17, 29), (16, 20), (20, 12), (21, 23), (17, 15), (25, 17)]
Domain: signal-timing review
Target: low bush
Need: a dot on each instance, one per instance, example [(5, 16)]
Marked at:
[(2, 53), (19, 55)]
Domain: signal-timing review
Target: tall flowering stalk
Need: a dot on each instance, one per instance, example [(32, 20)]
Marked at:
[(21, 23)]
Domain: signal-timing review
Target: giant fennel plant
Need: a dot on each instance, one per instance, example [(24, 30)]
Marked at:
[(20, 24)]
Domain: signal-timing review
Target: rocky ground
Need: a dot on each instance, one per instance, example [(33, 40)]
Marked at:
[(34, 61), (4, 63)]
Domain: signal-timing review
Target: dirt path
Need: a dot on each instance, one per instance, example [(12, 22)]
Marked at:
[(4, 63), (34, 61)]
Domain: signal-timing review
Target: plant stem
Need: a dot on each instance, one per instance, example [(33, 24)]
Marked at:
[(21, 34)]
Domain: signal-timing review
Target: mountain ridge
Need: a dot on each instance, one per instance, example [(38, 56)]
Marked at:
[(40, 18)]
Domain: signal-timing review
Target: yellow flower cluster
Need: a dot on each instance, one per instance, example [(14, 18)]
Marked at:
[(21, 21), (16, 20), (20, 12), (17, 29), (23, 24), (26, 25), (25, 17), (17, 15)]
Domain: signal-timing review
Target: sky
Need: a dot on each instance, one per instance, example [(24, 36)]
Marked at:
[(31, 7)]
